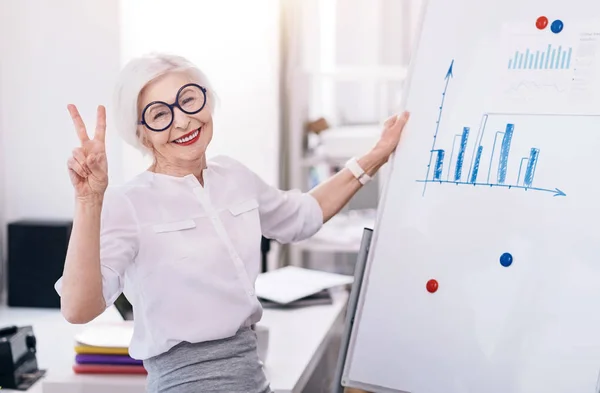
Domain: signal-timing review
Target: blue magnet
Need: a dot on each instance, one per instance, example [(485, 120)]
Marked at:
[(506, 259), (556, 26)]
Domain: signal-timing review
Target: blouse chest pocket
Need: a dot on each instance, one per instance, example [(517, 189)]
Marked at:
[(172, 240), (174, 226), (243, 207), (242, 220)]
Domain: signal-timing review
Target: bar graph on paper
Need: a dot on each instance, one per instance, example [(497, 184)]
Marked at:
[(551, 58), (488, 164)]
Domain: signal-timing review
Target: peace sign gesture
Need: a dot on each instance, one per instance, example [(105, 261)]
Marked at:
[(88, 168)]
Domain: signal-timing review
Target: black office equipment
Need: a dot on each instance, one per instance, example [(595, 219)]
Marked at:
[(18, 362), (36, 256), (265, 247)]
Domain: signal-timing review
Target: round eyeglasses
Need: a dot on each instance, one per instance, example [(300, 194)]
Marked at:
[(158, 115)]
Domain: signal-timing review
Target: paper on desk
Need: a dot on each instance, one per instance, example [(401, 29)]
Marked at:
[(291, 283), (110, 335)]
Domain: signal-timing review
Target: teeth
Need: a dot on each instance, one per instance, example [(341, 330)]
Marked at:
[(187, 138)]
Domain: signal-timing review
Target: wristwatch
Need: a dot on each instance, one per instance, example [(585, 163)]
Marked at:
[(359, 173)]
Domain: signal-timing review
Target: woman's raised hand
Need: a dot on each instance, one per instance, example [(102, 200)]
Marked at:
[(392, 130), (88, 167)]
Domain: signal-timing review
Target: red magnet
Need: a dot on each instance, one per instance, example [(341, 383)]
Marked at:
[(432, 286), (542, 22)]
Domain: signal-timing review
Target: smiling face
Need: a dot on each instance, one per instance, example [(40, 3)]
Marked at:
[(183, 144)]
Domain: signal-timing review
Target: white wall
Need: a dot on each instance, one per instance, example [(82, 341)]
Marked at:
[(70, 51), (236, 43), (53, 53)]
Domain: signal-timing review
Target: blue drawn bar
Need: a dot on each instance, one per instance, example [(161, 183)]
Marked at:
[(551, 58), (452, 155), (476, 165), (520, 168), (461, 153), (520, 61), (542, 60), (439, 164), (547, 56), (478, 139), (530, 172), (504, 150), (492, 155)]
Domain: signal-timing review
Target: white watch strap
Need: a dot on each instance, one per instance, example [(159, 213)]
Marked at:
[(359, 173)]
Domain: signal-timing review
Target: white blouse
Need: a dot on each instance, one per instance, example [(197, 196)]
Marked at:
[(187, 256)]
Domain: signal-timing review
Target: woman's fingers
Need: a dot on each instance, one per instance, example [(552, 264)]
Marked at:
[(75, 178), (402, 119), (78, 123), (390, 121), (397, 120), (92, 162), (100, 132), (79, 156), (97, 164), (396, 126), (76, 167), (100, 123), (391, 133)]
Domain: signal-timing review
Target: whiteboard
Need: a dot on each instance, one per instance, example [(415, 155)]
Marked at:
[(484, 269)]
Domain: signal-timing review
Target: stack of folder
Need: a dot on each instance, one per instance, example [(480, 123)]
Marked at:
[(104, 349), (105, 360)]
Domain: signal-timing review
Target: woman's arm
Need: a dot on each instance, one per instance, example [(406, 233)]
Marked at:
[(81, 283), (81, 292), (334, 193)]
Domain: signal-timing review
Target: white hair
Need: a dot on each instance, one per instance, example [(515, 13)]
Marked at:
[(136, 74)]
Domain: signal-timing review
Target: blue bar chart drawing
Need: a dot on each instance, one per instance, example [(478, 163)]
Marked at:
[(521, 169), (504, 153), (461, 154), (439, 165), (473, 176), (499, 154), (549, 59), (498, 133), (437, 123), (531, 164)]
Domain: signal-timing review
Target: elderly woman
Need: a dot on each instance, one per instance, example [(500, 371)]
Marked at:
[(182, 239)]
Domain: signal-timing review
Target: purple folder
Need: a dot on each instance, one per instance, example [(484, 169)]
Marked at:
[(106, 359)]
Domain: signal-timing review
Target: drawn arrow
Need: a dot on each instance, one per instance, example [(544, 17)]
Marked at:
[(556, 191), (449, 75)]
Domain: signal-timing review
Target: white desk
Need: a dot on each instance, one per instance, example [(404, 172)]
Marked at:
[(297, 340)]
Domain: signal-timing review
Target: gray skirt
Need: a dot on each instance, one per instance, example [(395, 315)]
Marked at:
[(228, 365)]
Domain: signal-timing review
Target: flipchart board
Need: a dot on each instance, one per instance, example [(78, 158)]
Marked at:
[(483, 274)]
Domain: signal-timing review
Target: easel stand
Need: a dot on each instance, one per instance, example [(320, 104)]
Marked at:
[(359, 271)]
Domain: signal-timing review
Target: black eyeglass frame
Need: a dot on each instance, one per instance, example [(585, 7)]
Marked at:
[(172, 106)]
